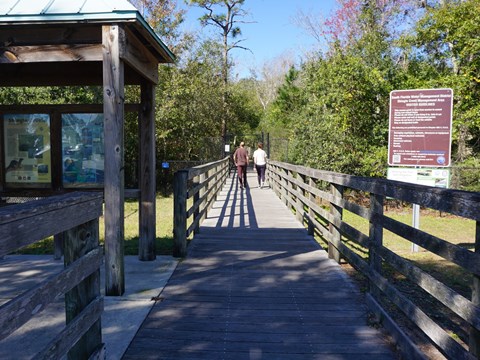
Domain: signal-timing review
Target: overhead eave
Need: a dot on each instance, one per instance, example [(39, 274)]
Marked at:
[(134, 17)]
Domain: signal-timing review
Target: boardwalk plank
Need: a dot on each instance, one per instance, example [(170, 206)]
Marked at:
[(255, 286)]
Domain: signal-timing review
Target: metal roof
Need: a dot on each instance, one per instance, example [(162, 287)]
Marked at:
[(16, 12), (33, 9)]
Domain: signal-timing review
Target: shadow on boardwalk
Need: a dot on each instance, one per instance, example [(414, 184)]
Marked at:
[(255, 286)]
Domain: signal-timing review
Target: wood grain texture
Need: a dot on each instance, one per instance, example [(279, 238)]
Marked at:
[(113, 112), (255, 285), (290, 187), (147, 213)]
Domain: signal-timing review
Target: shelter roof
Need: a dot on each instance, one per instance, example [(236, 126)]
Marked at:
[(28, 12)]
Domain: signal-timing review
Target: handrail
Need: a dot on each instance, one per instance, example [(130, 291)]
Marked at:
[(304, 189), (201, 184), (76, 215)]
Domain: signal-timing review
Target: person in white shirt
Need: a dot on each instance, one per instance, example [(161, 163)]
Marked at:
[(260, 163)]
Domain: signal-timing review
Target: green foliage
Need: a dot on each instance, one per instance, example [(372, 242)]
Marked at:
[(466, 175), (330, 112), (190, 106), (335, 106), (446, 40), (51, 95)]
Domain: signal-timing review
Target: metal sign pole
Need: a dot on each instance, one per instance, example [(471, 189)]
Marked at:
[(415, 223)]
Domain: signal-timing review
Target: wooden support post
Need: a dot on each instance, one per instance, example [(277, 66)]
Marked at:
[(300, 213), (196, 198), (284, 188), (201, 194), (311, 214), (147, 213), (58, 246), (474, 338), (337, 212), (376, 239), (180, 213), (269, 175), (113, 110), (78, 242)]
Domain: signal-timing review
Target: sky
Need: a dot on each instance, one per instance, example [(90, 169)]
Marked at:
[(272, 32)]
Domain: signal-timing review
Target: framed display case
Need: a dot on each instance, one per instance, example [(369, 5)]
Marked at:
[(82, 150), (27, 150)]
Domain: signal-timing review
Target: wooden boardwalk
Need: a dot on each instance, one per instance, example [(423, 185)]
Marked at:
[(255, 286)]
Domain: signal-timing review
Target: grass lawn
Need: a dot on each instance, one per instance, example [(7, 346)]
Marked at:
[(164, 238), (453, 229)]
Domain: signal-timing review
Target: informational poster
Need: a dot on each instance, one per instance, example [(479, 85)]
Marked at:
[(420, 128), (27, 148), (425, 176), (83, 152)]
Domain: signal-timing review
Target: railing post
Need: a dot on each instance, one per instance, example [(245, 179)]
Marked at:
[(196, 197), (211, 193), (300, 212), (57, 246), (272, 181), (311, 214), (284, 187), (216, 182), (180, 213), (474, 338), (78, 242), (337, 212), (199, 180), (376, 238), (268, 175)]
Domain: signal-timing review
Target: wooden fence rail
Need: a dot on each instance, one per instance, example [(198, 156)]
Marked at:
[(201, 184), (76, 216), (319, 198)]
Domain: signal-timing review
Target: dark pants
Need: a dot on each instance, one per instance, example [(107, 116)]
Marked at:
[(242, 174), (261, 173)]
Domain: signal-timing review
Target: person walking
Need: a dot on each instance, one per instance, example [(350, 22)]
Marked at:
[(260, 163), (240, 157)]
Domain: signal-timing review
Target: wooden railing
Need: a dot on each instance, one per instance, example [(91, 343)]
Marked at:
[(319, 198), (201, 184), (76, 216)]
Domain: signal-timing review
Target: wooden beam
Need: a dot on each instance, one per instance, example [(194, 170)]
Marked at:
[(161, 54), (18, 35), (147, 220), (113, 95), (50, 53), (79, 241), (62, 108), (59, 74), (139, 58)]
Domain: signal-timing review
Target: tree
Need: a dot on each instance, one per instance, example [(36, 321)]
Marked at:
[(446, 42), (270, 78), (336, 104), (164, 17), (225, 15)]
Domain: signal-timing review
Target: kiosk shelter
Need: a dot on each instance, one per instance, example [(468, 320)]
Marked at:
[(48, 149)]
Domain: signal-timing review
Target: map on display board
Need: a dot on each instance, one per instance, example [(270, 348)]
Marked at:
[(27, 148)]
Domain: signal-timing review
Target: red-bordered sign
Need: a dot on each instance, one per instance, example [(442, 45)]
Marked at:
[(420, 127)]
